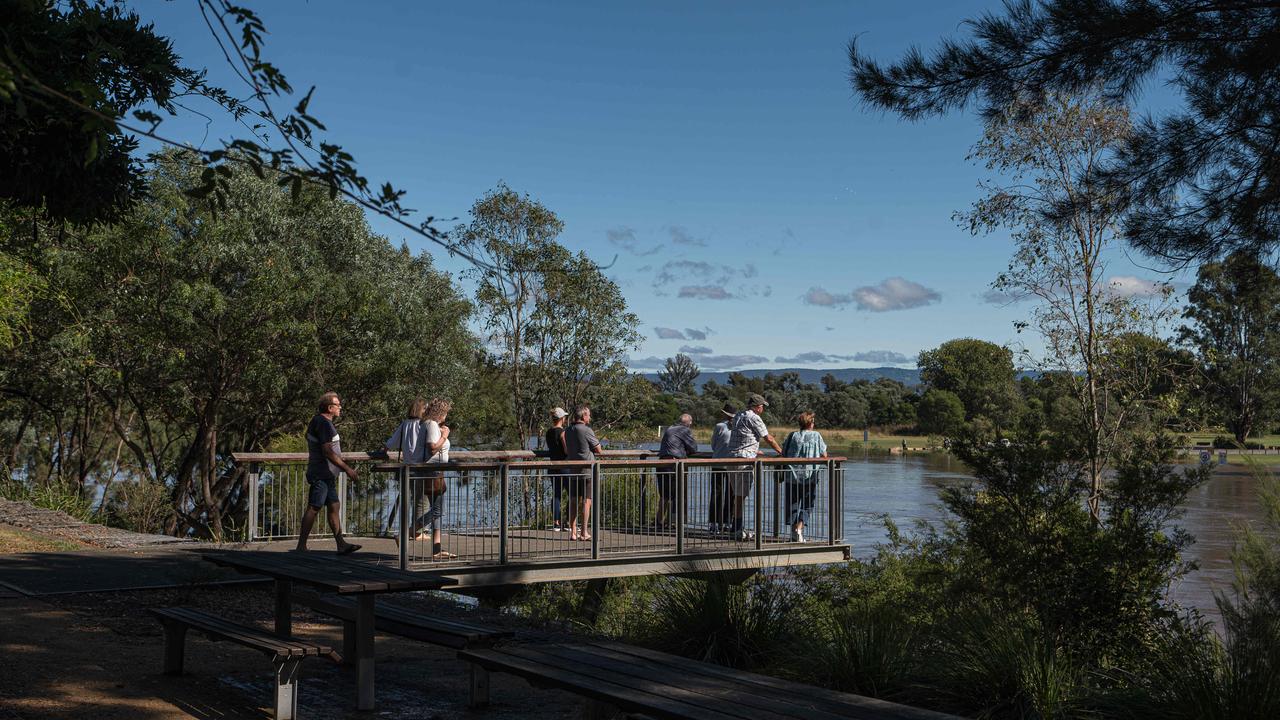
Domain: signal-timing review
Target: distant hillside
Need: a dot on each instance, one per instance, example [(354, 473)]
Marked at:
[(906, 376)]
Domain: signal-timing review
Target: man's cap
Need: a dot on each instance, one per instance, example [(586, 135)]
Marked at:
[(558, 412), (756, 399), (729, 409)]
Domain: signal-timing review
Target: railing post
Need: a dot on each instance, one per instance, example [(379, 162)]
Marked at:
[(682, 499), (406, 503), (251, 486), (503, 509), (597, 505), (342, 506), (777, 506), (758, 470), (833, 504)]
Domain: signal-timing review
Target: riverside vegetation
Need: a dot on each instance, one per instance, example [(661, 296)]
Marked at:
[(1021, 607)]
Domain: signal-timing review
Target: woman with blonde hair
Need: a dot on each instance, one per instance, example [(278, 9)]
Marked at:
[(802, 480), (435, 437), (421, 439)]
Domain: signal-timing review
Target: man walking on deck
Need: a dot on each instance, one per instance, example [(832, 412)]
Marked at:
[(747, 429), (324, 462)]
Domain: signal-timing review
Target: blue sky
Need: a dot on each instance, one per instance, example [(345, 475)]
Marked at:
[(757, 213)]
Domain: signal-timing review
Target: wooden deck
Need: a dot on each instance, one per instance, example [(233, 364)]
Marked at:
[(552, 559)]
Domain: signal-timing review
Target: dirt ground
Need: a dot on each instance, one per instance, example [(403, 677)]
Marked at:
[(99, 655)]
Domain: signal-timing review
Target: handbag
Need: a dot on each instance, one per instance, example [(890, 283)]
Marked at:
[(436, 485)]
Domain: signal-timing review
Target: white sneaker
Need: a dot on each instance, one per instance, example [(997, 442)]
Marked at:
[(745, 535), (796, 536)]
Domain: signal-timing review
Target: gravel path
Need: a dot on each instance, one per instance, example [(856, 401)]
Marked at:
[(55, 523)]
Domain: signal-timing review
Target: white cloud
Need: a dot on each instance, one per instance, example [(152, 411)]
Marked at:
[(695, 334), (669, 333), (650, 363), (895, 293), (705, 292), (1132, 286), (883, 357), (822, 298), (729, 362), (625, 238), (695, 349), (680, 236)]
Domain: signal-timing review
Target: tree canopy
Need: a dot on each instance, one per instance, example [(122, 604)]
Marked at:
[(1200, 181)]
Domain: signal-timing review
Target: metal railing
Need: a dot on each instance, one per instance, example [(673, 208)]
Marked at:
[(521, 511)]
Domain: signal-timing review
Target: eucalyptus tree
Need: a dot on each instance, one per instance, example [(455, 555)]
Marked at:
[(1064, 222), (1234, 328), (1199, 181), (677, 375)]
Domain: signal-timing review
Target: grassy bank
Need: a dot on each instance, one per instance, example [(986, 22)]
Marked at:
[(840, 439)]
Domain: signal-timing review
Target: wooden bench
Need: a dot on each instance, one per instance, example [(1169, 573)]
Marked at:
[(405, 623), (286, 653), (615, 677)]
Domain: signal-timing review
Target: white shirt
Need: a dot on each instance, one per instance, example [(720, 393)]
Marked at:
[(432, 430)]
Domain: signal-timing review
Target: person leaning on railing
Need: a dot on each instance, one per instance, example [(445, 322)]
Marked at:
[(746, 431), (801, 486), (556, 452), (677, 444), (718, 503)]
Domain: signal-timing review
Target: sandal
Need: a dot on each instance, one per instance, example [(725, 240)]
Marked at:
[(443, 555)]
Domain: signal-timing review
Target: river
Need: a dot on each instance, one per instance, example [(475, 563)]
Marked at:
[(906, 489)]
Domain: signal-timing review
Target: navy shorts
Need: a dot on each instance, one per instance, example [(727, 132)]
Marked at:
[(323, 492)]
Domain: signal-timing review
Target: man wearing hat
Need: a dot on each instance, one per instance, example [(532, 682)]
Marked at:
[(746, 430), (718, 507)]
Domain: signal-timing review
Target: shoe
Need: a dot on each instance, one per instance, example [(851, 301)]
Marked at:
[(745, 535), (797, 535), (348, 549), (557, 528)]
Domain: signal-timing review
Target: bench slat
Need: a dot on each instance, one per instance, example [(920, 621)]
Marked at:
[(406, 623), (245, 635), (692, 688), (832, 700), (653, 703)]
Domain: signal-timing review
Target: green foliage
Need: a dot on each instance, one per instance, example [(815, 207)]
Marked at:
[(1198, 181), (864, 646), (742, 626), (1234, 329), (67, 72), (56, 495), (979, 373), (1027, 542), (178, 336), (940, 412), (19, 285), (1004, 665)]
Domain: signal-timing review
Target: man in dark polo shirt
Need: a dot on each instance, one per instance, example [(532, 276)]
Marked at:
[(677, 444), (324, 462)]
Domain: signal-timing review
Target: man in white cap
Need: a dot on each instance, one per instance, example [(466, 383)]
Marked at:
[(747, 429)]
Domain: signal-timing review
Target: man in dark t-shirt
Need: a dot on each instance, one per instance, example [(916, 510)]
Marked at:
[(677, 444), (324, 462)]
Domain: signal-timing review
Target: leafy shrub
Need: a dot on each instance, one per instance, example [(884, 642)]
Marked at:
[(68, 497), (865, 647), (141, 506)]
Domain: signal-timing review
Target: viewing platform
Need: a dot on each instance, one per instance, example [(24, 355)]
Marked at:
[(499, 513)]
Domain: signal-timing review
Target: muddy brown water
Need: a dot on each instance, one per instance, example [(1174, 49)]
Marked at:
[(906, 490)]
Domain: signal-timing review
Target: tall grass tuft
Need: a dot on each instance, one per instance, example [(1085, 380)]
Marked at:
[(744, 626), (866, 647), (989, 664)]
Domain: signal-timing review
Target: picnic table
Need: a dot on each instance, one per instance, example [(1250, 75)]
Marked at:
[(327, 572)]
